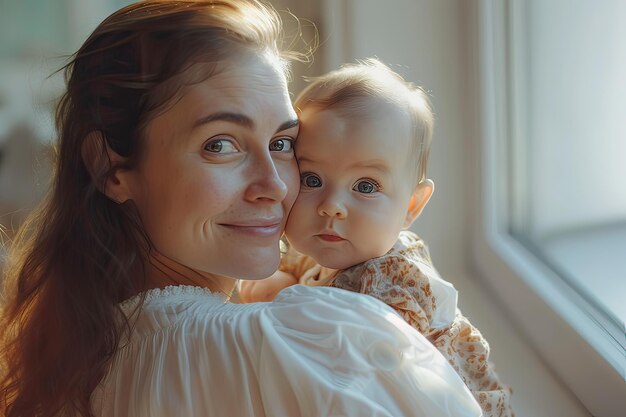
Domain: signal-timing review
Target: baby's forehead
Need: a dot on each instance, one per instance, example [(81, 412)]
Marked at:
[(369, 130), (366, 131), (364, 110), (366, 107)]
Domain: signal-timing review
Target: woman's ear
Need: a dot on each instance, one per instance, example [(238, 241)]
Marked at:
[(420, 197), (106, 168)]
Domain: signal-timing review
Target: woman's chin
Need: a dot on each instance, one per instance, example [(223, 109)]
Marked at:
[(258, 265)]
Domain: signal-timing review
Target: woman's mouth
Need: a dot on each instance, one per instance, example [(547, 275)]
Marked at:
[(262, 229)]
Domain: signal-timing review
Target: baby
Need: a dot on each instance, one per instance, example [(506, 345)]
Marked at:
[(362, 151)]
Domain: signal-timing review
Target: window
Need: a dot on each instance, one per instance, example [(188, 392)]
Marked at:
[(569, 195), (554, 201)]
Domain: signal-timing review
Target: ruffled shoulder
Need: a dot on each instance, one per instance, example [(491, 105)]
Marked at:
[(170, 292), (340, 351), (312, 352)]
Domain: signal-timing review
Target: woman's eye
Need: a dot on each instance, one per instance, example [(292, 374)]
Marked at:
[(282, 145), (310, 180), (366, 187), (221, 146)]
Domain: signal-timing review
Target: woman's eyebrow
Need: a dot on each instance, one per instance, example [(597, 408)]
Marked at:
[(240, 119), (236, 118), (288, 125)]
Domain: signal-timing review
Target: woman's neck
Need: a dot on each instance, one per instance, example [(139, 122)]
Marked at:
[(162, 271)]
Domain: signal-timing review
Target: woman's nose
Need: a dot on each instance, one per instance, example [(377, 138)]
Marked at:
[(332, 206), (266, 183)]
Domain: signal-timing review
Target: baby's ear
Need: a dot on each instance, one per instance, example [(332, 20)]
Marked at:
[(105, 166), (420, 197)]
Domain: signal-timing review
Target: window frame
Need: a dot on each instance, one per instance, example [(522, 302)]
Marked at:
[(567, 331)]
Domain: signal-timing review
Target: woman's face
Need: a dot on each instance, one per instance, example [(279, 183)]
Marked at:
[(217, 174)]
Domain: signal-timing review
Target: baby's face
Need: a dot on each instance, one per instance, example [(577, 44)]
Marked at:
[(356, 184)]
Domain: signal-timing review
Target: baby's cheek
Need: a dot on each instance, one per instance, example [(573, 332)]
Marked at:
[(292, 228), (289, 174), (378, 232), (299, 225), (301, 212)]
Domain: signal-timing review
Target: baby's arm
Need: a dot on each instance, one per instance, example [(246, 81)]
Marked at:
[(252, 291), (293, 266), (467, 351)]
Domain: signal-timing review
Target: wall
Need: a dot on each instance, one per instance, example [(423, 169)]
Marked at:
[(421, 41)]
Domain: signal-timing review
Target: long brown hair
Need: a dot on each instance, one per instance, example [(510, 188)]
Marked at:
[(73, 260)]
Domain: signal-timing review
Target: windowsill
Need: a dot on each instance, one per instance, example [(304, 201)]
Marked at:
[(582, 355), (537, 391), (593, 260)]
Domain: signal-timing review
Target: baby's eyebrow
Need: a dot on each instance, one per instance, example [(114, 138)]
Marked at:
[(373, 164), (305, 159)]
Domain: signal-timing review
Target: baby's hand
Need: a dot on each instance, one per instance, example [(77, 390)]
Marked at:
[(253, 291)]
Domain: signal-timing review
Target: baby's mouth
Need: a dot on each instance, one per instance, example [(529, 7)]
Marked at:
[(329, 237)]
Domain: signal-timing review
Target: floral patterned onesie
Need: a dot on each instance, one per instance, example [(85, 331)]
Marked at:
[(406, 280)]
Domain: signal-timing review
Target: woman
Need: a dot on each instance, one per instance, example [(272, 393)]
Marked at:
[(174, 177)]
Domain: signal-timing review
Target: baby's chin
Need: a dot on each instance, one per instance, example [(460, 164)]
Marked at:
[(331, 258), (333, 262), (342, 260)]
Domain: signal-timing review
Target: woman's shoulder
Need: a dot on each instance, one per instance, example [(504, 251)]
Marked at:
[(341, 349), (190, 312), (191, 316), (346, 343), (322, 304), (168, 306), (188, 309), (183, 307)]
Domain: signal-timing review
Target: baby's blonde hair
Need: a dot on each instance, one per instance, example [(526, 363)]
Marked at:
[(352, 89)]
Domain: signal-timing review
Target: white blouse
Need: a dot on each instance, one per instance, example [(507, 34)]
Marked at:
[(311, 352)]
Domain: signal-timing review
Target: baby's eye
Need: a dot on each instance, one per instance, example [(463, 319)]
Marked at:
[(282, 145), (221, 146), (310, 180), (366, 186)]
